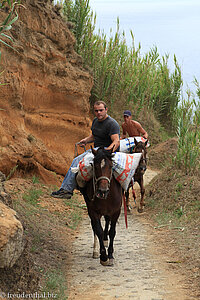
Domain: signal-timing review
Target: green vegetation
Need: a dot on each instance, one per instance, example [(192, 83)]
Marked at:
[(35, 179), (179, 209), (46, 220), (122, 77), (188, 132), (6, 25), (55, 282), (74, 216), (32, 196), (125, 78), (12, 171)]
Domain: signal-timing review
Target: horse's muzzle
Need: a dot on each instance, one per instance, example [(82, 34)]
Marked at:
[(142, 169), (102, 194)]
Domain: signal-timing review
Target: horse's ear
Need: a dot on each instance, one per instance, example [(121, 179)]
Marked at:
[(135, 142), (93, 151)]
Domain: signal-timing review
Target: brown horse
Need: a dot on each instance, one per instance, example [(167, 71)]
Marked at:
[(139, 147), (103, 197)]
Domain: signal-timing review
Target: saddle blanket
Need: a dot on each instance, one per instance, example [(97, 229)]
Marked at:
[(127, 145), (124, 167)]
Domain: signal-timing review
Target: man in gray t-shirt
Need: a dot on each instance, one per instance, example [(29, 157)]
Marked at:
[(105, 132)]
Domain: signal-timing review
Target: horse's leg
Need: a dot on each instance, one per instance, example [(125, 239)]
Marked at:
[(127, 200), (142, 191), (95, 247), (129, 207), (112, 233), (98, 230), (134, 194), (105, 233)]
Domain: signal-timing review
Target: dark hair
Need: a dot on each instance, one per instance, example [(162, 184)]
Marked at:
[(100, 102)]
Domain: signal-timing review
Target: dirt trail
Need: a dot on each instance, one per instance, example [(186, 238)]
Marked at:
[(140, 271)]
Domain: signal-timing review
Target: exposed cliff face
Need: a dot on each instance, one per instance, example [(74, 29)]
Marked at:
[(45, 104)]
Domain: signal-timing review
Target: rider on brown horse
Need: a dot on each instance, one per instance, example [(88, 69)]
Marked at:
[(105, 132)]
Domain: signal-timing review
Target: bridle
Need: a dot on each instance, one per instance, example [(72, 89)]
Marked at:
[(96, 180), (142, 160)]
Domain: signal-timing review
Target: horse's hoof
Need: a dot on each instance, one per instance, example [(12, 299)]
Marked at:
[(140, 210), (104, 263), (129, 208), (107, 263), (105, 242), (111, 262), (96, 255)]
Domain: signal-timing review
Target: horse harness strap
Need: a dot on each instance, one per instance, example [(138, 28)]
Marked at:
[(96, 180), (103, 177)]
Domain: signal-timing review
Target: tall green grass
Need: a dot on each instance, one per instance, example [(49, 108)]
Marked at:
[(122, 76), (125, 78), (188, 132)]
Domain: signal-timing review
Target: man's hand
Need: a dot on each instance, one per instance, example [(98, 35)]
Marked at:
[(82, 142), (145, 135), (88, 139), (115, 142)]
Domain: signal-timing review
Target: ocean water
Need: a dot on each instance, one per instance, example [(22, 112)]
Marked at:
[(171, 25)]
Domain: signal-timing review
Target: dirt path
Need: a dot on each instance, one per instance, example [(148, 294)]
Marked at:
[(140, 271)]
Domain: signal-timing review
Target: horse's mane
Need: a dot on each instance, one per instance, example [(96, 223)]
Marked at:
[(102, 153)]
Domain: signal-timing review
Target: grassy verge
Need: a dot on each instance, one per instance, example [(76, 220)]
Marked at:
[(50, 225), (180, 208), (173, 204)]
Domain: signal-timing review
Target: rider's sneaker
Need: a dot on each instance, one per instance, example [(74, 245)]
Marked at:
[(61, 193)]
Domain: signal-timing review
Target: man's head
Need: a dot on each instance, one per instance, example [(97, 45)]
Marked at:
[(100, 110), (127, 116)]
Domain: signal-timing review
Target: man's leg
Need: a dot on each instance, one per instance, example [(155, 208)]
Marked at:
[(69, 182)]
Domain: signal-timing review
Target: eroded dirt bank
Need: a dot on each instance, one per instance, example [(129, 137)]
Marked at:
[(44, 99), (143, 267)]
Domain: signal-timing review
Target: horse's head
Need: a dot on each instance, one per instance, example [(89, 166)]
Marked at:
[(102, 172), (140, 147)]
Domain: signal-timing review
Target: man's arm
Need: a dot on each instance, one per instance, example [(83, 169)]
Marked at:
[(144, 133), (141, 130), (87, 140), (115, 142)]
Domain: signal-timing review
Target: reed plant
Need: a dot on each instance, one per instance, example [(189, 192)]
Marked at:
[(188, 132), (122, 76), (6, 24)]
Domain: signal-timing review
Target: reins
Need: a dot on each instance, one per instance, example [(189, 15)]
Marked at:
[(125, 209), (76, 149)]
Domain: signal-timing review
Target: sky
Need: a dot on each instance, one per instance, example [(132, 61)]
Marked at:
[(171, 25)]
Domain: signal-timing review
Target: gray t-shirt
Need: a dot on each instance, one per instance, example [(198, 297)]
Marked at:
[(103, 130)]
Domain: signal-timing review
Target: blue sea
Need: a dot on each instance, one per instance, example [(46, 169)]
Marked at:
[(171, 25)]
